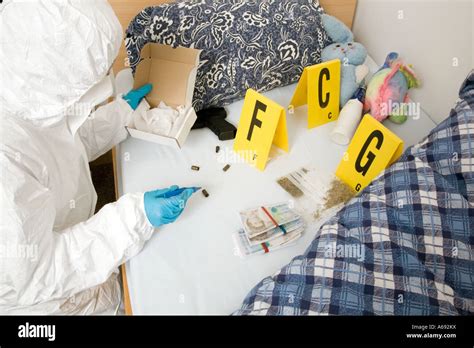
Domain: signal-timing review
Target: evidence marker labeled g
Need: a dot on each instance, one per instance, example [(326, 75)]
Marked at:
[(372, 149)]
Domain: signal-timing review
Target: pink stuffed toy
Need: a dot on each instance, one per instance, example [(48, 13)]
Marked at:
[(387, 91)]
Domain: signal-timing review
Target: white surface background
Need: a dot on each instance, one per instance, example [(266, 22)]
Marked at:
[(190, 266), (430, 34)]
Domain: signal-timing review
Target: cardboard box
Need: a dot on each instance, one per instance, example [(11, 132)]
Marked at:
[(172, 71)]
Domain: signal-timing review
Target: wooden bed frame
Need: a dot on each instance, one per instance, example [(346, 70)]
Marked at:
[(126, 10)]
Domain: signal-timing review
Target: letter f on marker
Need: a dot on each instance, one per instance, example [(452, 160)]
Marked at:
[(255, 121)]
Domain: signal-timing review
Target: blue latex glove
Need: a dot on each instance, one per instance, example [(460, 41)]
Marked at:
[(161, 210), (134, 97)]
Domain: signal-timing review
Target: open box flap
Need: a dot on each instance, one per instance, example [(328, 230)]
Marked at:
[(172, 71)]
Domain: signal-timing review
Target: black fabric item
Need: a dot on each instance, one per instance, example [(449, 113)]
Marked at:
[(208, 113), (214, 119)]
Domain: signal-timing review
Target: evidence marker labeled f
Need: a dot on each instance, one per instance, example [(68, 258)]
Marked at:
[(262, 123)]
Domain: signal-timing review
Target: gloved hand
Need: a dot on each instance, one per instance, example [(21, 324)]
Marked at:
[(134, 97), (161, 210)]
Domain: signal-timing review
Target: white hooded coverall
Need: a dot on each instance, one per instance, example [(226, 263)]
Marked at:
[(56, 257)]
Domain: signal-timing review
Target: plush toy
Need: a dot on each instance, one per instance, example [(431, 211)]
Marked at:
[(351, 54), (387, 91)]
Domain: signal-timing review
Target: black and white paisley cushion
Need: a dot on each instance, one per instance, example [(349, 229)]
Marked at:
[(245, 43)]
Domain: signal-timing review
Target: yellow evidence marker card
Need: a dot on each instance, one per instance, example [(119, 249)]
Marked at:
[(262, 123), (320, 88), (372, 149)]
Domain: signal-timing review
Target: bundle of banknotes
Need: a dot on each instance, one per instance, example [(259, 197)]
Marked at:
[(269, 228)]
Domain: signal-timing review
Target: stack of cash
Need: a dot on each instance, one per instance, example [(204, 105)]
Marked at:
[(269, 228)]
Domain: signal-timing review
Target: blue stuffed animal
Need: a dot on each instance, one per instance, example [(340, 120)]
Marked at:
[(351, 54)]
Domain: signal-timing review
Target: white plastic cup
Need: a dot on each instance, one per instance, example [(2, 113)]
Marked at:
[(349, 119)]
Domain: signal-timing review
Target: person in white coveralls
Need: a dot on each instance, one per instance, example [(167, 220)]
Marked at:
[(55, 63)]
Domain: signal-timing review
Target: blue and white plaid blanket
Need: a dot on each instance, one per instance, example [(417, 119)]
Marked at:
[(402, 247)]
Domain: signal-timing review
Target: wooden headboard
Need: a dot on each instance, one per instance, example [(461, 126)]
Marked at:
[(126, 10)]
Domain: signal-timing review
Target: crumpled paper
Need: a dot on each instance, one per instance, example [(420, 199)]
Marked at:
[(162, 120)]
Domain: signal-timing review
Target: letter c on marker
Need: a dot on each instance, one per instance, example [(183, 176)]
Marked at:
[(323, 103)]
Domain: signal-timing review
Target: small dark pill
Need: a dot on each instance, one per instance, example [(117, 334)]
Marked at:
[(218, 148), (196, 168), (226, 168), (205, 193)]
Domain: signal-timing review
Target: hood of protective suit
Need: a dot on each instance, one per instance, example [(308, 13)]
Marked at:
[(53, 52)]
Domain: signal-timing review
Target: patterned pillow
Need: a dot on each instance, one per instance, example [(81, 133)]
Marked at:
[(245, 43)]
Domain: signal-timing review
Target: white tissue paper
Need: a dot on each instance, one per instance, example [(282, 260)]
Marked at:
[(162, 120)]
